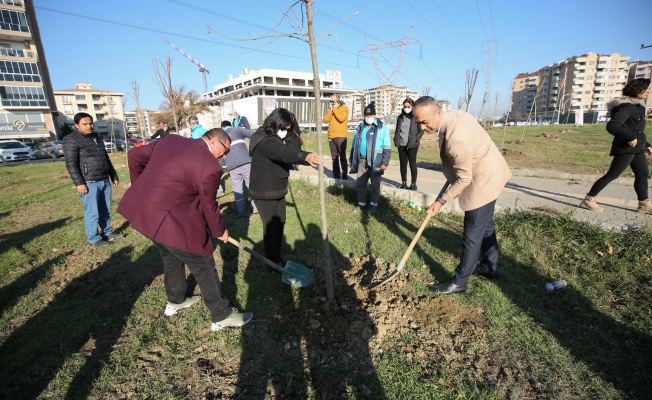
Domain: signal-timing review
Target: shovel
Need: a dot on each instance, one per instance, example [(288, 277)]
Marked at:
[(293, 274), (401, 263)]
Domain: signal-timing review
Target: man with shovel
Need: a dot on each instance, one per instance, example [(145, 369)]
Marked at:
[(477, 174), (172, 201)]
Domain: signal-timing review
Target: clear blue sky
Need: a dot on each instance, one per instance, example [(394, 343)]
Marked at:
[(82, 46)]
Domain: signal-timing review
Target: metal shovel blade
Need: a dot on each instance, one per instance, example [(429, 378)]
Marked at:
[(292, 274), (296, 275)]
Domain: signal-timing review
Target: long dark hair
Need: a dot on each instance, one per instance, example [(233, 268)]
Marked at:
[(277, 120), (636, 87)]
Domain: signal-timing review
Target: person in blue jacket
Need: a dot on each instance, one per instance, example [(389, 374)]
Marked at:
[(197, 131), (370, 154)]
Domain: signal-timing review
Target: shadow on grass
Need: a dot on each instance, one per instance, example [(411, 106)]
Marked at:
[(616, 352), (86, 317), (611, 349), (300, 345), (17, 239), (11, 293)]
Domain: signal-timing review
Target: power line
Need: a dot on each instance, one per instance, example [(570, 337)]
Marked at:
[(451, 24), (436, 31), (481, 23), (142, 28)]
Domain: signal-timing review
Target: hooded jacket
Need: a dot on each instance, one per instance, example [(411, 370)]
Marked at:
[(379, 147), (626, 124), (86, 158), (271, 161), (414, 135)]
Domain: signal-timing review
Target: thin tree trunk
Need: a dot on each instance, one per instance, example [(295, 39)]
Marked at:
[(322, 199)]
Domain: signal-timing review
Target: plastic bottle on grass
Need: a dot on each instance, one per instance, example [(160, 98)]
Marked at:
[(552, 286)]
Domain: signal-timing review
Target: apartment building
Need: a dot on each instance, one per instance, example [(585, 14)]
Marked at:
[(579, 83), (103, 105), (255, 94), (139, 122), (524, 89), (26, 94), (388, 99), (641, 69)]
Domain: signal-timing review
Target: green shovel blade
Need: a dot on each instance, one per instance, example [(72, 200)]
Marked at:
[(296, 274)]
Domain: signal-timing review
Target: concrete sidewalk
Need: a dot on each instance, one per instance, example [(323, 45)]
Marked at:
[(527, 189)]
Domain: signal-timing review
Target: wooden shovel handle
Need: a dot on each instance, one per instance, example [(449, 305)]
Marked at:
[(253, 253)]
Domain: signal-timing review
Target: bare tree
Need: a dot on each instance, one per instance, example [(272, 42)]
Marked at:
[(425, 90), (135, 94), (187, 104), (164, 82), (485, 100), (460, 103), (469, 86), (304, 31)]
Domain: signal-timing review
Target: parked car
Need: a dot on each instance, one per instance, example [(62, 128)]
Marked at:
[(135, 142), (33, 145), (14, 150), (49, 150), (109, 146)]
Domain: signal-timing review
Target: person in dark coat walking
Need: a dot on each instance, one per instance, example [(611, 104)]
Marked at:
[(271, 160), (629, 147), (407, 139), (172, 202), (90, 168)]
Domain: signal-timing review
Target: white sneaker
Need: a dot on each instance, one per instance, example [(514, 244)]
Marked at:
[(172, 308), (235, 319)]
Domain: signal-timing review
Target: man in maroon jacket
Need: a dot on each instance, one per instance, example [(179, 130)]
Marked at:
[(171, 200)]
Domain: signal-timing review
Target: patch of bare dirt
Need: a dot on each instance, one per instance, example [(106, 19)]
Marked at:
[(512, 154), (547, 135), (333, 349)]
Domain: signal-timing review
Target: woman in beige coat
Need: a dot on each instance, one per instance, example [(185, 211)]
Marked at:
[(477, 174)]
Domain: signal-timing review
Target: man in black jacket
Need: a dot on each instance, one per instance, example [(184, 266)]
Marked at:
[(162, 131), (90, 168)]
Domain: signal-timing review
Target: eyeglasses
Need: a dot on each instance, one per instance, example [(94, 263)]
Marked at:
[(333, 102), (226, 149)]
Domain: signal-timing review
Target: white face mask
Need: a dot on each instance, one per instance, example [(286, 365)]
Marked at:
[(407, 110), (369, 121), (282, 134)]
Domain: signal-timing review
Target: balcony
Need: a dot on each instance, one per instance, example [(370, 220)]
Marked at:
[(17, 53), (15, 3)]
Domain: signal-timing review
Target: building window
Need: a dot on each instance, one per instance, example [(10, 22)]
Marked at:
[(22, 96), (65, 99), (80, 97), (591, 62), (67, 109), (82, 107), (13, 21), (15, 71), (110, 99), (96, 97)]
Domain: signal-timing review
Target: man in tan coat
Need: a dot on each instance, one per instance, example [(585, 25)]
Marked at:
[(477, 174), (337, 119)]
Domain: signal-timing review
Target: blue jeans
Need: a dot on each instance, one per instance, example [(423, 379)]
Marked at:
[(97, 206)]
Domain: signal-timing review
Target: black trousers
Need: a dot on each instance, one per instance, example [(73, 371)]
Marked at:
[(406, 155), (338, 154), (272, 213), (203, 268), (619, 164), (479, 240)]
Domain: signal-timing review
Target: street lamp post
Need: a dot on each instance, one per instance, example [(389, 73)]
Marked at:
[(564, 107), (560, 104)]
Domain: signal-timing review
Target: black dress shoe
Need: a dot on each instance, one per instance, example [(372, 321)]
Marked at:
[(413, 186), (403, 185), (448, 287), (487, 272)]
